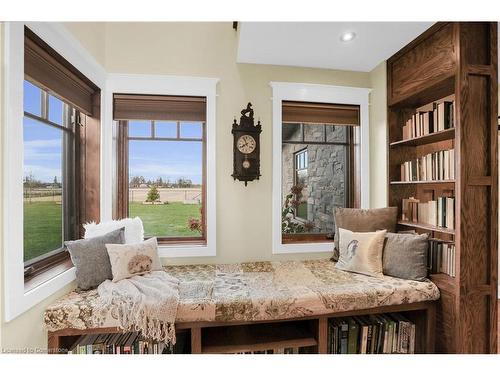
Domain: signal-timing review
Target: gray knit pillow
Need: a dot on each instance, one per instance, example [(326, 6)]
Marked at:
[(91, 258), (405, 256)]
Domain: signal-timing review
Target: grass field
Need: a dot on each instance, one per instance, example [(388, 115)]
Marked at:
[(42, 228), (43, 223), (166, 219)]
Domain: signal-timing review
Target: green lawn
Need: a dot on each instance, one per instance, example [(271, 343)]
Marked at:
[(42, 228), (43, 223), (166, 219)]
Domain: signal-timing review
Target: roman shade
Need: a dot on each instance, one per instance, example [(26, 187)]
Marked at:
[(159, 107), (320, 113), (45, 67)]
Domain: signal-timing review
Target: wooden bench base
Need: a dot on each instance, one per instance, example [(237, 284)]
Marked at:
[(205, 338)]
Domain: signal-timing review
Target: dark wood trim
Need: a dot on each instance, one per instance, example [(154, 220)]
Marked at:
[(122, 178), (306, 238)]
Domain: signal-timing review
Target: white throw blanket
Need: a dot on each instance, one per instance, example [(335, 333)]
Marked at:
[(146, 303)]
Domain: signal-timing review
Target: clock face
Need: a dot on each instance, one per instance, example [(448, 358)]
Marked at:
[(246, 144)]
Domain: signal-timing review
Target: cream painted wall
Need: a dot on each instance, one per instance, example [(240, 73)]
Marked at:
[(209, 50)]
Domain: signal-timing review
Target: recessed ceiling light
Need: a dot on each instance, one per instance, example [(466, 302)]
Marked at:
[(348, 36)]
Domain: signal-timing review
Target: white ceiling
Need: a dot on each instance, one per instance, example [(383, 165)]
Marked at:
[(318, 44)]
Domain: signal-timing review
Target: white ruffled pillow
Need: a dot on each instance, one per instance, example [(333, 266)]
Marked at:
[(134, 230)]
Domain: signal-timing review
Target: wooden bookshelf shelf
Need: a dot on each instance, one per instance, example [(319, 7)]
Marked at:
[(426, 227), (251, 338), (426, 139), (422, 182)]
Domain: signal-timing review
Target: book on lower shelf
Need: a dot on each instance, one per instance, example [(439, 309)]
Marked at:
[(441, 257), (432, 118), (436, 166), (439, 212), (389, 333), (124, 343)]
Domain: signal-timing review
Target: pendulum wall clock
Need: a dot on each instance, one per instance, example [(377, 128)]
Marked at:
[(246, 147)]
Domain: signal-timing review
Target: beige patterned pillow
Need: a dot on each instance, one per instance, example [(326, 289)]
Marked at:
[(133, 259), (361, 252)]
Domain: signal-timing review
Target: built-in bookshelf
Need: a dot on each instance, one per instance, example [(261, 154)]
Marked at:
[(372, 334), (442, 146)]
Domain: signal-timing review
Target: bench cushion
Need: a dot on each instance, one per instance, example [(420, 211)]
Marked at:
[(257, 291)]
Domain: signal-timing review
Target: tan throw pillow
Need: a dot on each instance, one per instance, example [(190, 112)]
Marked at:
[(363, 220), (133, 259), (361, 252)]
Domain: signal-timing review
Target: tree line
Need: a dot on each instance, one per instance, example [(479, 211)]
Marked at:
[(140, 181)]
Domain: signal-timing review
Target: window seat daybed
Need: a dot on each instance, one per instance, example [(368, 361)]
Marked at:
[(256, 292)]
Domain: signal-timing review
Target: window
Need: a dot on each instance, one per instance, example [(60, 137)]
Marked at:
[(60, 148), (318, 168), (48, 186), (161, 169)]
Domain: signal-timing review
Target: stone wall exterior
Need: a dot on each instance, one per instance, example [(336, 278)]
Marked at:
[(326, 175)]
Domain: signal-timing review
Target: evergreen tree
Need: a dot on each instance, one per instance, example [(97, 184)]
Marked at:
[(153, 194)]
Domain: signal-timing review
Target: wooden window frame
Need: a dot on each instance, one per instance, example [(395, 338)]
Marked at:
[(352, 178), (123, 177)]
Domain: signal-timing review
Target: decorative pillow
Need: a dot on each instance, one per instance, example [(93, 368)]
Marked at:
[(361, 252), (134, 259), (134, 231), (91, 259), (361, 220), (405, 256)]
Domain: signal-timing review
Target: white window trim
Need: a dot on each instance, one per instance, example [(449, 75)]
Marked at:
[(321, 94), (169, 85), (17, 300)]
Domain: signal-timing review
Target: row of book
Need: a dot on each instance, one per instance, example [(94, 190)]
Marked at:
[(371, 334), (439, 118), (439, 212), (436, 166), (292, 350), (121, 343), (441, 257)]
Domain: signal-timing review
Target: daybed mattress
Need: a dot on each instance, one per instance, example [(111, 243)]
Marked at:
[(256, 291)]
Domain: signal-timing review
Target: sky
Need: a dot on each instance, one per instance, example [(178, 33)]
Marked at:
[(150, 159)]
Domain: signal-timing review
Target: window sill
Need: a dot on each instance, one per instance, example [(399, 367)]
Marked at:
[(303, 247), (305, 239), (47, 275), (187, 249)]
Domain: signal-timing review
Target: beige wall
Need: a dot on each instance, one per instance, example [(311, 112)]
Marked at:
[(209, 50)]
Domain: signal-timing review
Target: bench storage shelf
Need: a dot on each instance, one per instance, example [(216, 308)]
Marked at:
[(307, 335)]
